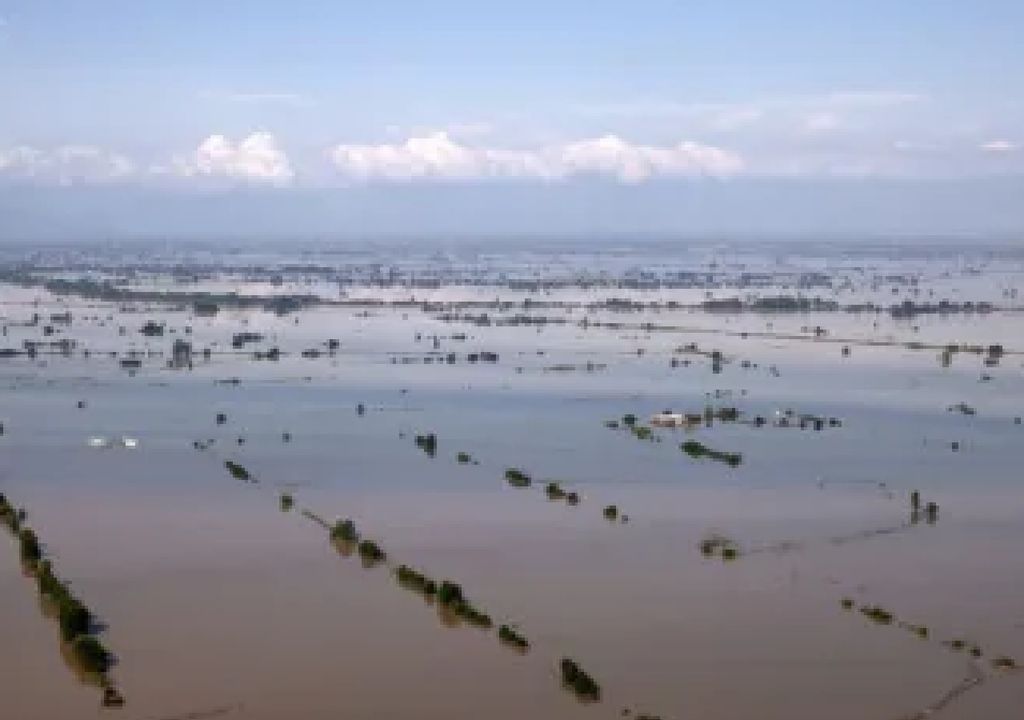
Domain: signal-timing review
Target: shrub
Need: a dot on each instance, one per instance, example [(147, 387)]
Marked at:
[(698, 450), (517, 478), (238, 472), (510, 637), (642, 432), (575, 678), (371, 551), (554, 491), (111, 697), (450, 593), (474, 617), (720, 544), (611, 512), (31, 553), (877, 614), (427, 443), (90, 654), (75, 619), (345, 530), (416, 580)]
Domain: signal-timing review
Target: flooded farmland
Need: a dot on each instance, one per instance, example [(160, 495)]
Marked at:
[(763, 482)]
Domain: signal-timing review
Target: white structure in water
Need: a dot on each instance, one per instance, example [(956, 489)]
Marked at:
[(668, 419), (674, 419)]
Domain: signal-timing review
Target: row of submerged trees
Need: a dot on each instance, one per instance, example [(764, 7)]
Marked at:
[(516, 477), (881, 616), (449, 596), (75, 619)]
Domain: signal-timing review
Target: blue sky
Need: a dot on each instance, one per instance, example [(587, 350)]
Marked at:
[(648, 104)]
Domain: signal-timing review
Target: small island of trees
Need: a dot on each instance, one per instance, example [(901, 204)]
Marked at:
[(345, 531), (716, 544), (238, 471), (517, 478), (555, 491), (698, 450), (509, 636), (427, 443), (371, 552), (577, 680), (415, 580)]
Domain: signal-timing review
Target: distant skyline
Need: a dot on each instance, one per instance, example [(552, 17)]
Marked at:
[(335, 119)]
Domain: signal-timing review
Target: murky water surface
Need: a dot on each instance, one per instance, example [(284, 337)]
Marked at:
[(219, 604)]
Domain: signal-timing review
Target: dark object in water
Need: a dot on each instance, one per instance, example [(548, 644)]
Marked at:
[(111, 697), (575, 678)]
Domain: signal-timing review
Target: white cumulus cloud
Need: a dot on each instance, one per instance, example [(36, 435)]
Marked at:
[(65, 165), (438, 156), (256, 158)]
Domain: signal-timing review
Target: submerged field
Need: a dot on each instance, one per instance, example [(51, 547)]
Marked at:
[(484, 417)]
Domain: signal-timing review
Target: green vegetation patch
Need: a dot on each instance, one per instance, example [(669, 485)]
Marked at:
[(517, 478), (509, 636), (698, 450), (577, 680), (238, 471)]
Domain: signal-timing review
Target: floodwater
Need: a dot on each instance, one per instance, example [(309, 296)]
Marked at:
[(217, 603)]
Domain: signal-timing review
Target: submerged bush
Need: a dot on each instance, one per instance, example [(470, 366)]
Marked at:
[(31, 553), (877, 614), (450, 593), (345, 531), (238, 472), (451, 598), (111, 697), (287, 502), (90, 654), (517, 478), (574, 677), (474, 617), (721, 545), (371, 551), (611, 512), (75, 619), (698, 450), (416, 580), (510, 637), (642, 432), (1004, 663), (427, 443)]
